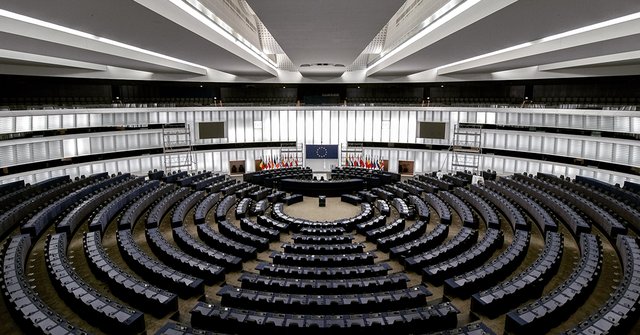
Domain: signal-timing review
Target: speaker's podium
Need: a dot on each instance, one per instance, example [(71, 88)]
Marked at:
[(322, 200)]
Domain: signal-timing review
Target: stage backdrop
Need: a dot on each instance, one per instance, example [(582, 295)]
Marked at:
[(322, 151)]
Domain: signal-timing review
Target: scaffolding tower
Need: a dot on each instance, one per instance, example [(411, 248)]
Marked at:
[(177, 150), (466, 148)]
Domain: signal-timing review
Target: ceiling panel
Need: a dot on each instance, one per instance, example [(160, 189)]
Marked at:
[(324, 31), (630, 43), (128, 22), (523, 21), (321, 31), (38, 47)]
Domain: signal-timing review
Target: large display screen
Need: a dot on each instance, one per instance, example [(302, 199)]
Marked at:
[(211, 130), (435, 130)]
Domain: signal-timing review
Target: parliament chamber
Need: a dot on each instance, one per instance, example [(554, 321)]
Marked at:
[(434, 167)]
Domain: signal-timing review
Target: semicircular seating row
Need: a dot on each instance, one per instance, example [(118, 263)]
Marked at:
[(322, 281)]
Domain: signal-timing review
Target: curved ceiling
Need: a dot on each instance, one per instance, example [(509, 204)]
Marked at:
[(172, 40)]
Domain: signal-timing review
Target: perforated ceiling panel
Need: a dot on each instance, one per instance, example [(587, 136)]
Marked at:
[(373, 49)]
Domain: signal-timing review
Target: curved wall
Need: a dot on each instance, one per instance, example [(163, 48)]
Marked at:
[(320, 125)]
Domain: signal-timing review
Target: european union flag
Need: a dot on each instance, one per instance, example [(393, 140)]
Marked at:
[(322, 151)]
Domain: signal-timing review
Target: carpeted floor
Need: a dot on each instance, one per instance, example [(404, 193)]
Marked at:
[(309, 209)]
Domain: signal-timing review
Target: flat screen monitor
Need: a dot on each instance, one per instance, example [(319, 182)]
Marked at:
[(207, 130), (434, 130)]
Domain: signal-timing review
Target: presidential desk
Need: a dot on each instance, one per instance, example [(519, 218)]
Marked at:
[(314, 188), (268, 177)]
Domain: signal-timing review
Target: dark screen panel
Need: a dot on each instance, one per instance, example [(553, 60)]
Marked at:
[(211, 130), (435, 130)]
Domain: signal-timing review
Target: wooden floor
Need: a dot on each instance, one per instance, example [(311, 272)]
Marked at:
[(309, 209)]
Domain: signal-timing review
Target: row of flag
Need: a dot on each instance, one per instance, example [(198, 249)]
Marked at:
[(366, 162), (276, 162)]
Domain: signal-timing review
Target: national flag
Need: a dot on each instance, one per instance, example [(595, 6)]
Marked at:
[(381, 164), (346, 162), (296, 160), (355, 161), (361, 162), (261, 164)]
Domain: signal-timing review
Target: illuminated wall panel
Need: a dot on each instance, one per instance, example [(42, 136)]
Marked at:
[(605, 152), (621, 154), (266, 126), (316, 128), (292, 117), (606, 123), (240, 127), (232, 130), (335, 127), (386, 125), (283, 127), (589, 150), (368, 126), (359, 126), (343, 126), (275, 125), (257, 132), (403, 129), (394, 131), (23, 123), (326, 127), (351, 125)]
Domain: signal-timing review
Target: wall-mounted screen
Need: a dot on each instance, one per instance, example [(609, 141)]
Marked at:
[(435, 130), (212, 130)]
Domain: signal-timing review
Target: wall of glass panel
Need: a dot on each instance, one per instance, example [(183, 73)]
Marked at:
[(609, 150), (38, 149), (319, 125)]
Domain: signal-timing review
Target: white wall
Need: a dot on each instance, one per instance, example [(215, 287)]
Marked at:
[(323, 125)]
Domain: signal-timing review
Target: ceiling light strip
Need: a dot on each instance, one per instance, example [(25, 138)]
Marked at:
[(53, 26), (436, 20), (569, 33), (204, 15), (415, 30)]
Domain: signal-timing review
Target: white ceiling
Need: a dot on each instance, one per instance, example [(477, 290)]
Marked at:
[(324, 31), (164, 42)]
